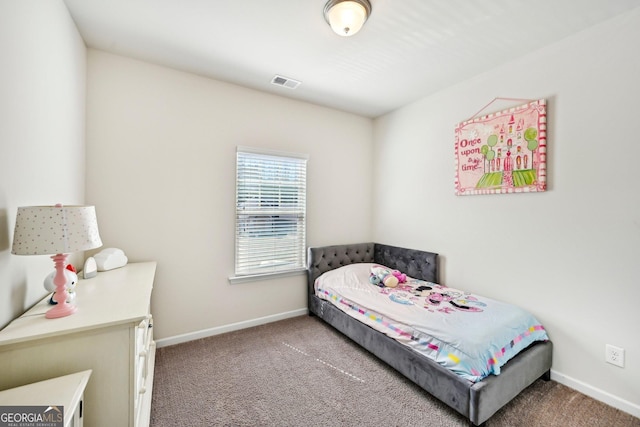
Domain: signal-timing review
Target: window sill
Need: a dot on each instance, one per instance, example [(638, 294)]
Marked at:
[(266, 276)]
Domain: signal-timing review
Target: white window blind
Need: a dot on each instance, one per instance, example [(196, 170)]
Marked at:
[(270, 212)]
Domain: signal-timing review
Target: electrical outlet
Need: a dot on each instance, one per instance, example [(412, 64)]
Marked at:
[(614, 355)]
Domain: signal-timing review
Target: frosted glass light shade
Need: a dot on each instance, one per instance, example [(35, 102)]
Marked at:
[(346, 17), (47, 230)]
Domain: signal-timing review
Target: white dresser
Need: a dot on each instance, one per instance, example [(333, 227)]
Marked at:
[(110, 333), (66, 391)]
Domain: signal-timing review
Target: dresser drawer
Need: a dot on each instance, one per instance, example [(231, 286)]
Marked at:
[(144, 337), (145, 358)]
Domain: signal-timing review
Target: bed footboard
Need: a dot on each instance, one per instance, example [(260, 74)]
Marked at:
[(495, 391)]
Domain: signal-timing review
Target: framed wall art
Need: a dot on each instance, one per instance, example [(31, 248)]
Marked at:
[(503, 152)]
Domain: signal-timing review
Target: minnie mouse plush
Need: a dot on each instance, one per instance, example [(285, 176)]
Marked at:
[(382, 276)]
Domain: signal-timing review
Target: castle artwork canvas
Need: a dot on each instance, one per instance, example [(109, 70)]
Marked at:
[(503, 152)]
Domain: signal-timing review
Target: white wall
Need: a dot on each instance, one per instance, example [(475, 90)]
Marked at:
[(42, 111), (161, 171), (569, 255)]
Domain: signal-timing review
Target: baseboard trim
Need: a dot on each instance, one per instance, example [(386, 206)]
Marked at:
[(596, 393), (179, 339)]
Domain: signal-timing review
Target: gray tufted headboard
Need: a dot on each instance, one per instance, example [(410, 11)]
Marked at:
[(414, 263)]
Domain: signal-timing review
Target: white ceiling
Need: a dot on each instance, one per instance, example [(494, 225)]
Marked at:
[(408, 49)]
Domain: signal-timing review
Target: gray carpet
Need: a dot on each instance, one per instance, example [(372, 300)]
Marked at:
[(301, 372)]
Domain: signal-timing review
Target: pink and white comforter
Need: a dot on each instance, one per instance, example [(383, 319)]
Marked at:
[(471, 335)]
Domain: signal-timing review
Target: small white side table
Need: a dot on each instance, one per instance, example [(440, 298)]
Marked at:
[(66, 391)]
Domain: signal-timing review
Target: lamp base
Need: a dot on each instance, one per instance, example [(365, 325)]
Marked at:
[(60, 310), (63, 308)]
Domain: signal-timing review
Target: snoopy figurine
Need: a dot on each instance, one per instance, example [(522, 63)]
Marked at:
[(72, 279)]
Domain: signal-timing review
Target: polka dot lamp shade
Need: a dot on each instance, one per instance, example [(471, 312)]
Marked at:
[(46, 230)]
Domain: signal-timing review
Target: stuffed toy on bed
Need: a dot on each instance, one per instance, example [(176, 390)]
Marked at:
[(382, 276)]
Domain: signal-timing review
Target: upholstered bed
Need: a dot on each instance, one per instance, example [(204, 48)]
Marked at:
[(477, 401)]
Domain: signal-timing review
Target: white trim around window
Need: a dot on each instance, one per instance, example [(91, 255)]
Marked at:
[(271, 203)]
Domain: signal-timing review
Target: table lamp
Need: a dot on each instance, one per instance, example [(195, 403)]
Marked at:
[(56, 230)]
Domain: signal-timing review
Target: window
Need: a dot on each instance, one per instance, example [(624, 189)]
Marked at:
[(270, 212)]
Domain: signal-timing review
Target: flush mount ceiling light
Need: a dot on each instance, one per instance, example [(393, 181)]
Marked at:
[(346, 17)]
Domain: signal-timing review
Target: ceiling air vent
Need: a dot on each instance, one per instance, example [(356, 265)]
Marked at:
[(285, 81)]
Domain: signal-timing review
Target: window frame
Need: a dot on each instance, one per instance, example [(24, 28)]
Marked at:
[(273, 213)]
